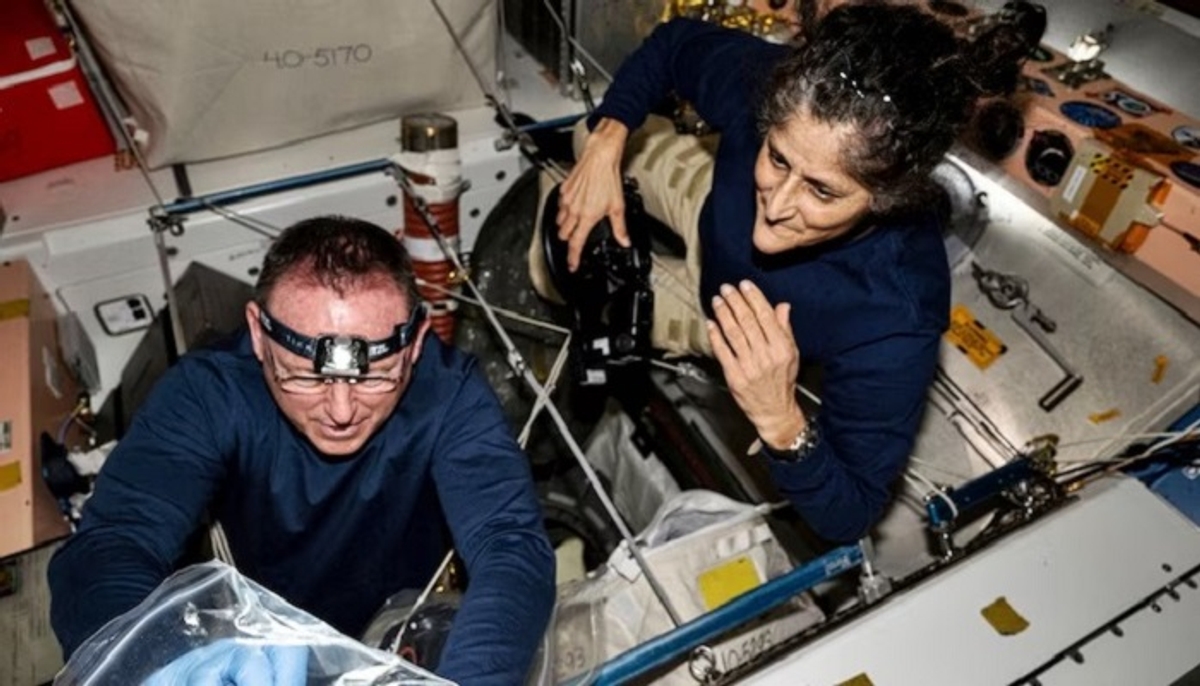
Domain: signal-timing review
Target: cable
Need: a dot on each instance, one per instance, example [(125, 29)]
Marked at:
[(915, 479), (940, 468), (1105, 439), (522, 139), (515, 316), (394, 646), (562, 26), (521, 368), (1121, 463), (252, 223)]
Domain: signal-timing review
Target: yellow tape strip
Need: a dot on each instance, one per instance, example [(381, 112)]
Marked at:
[(14, 309), (10, 475), (1003, 618)]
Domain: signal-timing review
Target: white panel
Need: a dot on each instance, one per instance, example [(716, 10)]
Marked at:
[(1067, 574)]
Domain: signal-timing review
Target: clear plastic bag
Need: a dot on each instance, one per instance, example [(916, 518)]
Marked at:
[(211, 603)]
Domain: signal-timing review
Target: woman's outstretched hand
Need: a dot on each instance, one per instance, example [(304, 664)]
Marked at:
[(593, 191), (756, 348)]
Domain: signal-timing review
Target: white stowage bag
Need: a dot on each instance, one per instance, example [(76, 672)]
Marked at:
[(204, 79), (704, 549), (209, 603)]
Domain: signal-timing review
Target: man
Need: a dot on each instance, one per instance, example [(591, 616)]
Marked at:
[(327, 442)]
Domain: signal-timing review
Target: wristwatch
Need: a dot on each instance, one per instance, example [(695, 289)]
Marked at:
[(801, 447)]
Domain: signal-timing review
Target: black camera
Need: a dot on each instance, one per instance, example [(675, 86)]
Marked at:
[(609, 294)]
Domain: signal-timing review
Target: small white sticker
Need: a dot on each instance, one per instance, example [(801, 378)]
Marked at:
[(5, 435), (40, 47), (66, 95), (53, 374), (1074, 183)]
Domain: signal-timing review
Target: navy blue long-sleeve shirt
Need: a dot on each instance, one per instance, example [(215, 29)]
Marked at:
[(335, 538), (870, 308)]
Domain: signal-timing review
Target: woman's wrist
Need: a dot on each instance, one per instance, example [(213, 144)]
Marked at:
[(778, 434), (609, 137)]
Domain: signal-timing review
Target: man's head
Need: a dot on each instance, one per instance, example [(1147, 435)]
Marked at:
[(337, 286)]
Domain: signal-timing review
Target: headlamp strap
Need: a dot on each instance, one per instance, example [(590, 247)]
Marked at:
[(308, 347)]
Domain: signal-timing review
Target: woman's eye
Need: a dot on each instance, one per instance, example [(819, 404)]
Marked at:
[(821, 193)]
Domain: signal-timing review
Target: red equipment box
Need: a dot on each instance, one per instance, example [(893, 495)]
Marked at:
[(48, 117)]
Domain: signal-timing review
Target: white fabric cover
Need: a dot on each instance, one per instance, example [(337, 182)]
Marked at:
[(614, 609), (210, 78)]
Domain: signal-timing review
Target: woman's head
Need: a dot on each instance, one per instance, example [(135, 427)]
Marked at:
[(856, 118)]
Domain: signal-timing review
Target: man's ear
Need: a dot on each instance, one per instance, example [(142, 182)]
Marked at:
[(256, 334), (419, 340)]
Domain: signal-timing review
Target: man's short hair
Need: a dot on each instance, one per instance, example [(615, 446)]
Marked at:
[(338, 253)]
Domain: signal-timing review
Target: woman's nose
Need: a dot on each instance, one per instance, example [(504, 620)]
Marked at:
[(779, 202)]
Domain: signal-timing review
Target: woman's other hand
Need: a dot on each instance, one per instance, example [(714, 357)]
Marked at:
[(756, 348), (593, 191)]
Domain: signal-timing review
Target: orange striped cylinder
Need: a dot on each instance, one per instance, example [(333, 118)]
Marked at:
[(436, 277), (429, 154)]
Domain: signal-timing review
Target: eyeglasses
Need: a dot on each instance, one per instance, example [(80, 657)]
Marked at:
[(314, 384)]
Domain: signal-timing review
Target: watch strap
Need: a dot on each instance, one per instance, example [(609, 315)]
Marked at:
[(802, 446)]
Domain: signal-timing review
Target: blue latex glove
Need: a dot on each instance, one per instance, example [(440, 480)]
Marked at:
[(229, 662)]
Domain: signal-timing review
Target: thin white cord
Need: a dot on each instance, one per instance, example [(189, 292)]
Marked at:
[(1118, 463), (394, 646), (933, 465), (919, 481), (1130, 437), (509, 314), (547, 389), (562, 26)]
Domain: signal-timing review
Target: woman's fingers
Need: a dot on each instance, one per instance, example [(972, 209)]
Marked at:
[(731, 327)]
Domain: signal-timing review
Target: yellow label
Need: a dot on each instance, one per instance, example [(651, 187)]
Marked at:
[(1101, 417), (14, 309), (10, 475), (973, 339), (1160, 368), (858, 680), (727, 581), (1003, 618)]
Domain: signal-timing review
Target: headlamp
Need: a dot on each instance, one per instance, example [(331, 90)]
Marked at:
[(339, 355)]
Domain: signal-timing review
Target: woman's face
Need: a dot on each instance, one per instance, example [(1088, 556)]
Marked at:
[(804, 195)]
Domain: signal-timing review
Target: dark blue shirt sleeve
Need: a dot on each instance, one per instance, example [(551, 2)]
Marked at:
[(717, 70), (149, 498), (487, 494), (872, 401)]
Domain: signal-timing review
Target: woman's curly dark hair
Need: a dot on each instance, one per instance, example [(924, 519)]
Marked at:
[(903, 78)]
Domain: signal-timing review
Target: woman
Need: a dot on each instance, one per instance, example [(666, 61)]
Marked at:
[(807, 231)]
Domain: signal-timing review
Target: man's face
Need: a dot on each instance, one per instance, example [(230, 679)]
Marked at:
[(339, 418)]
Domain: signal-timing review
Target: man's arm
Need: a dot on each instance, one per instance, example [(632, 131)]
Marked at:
[(488, 495), (149, 497)]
